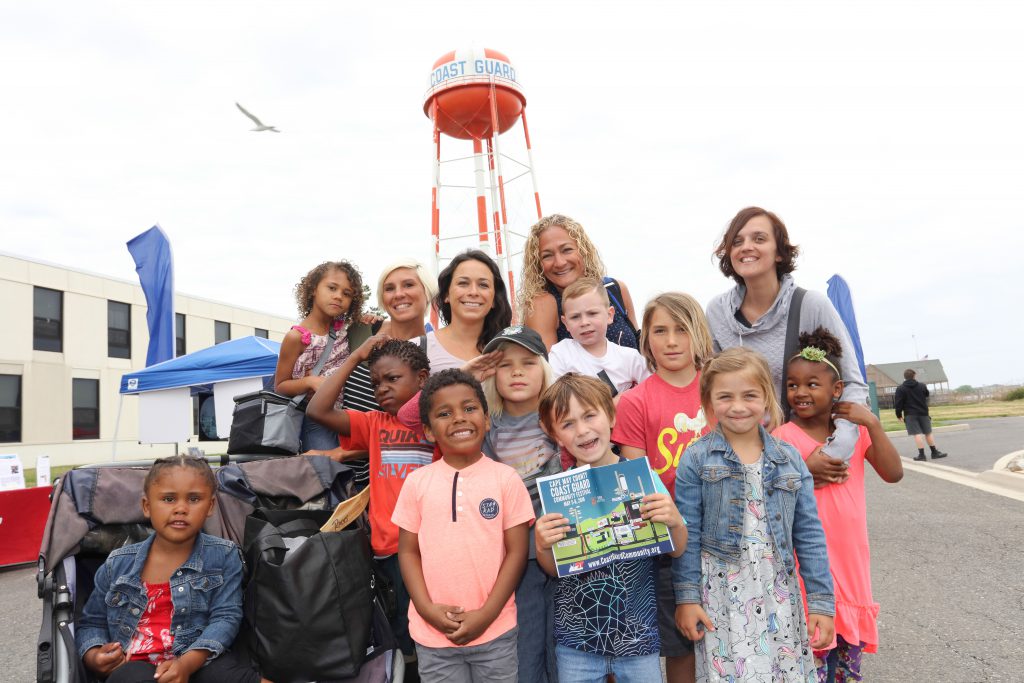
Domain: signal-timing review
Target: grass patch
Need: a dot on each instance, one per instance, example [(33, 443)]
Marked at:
[(30, 474), (959, 412)]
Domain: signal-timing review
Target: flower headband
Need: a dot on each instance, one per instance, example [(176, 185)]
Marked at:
[(816, 355)]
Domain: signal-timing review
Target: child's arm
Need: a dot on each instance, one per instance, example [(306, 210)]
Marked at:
[(812, 554), (411, 563), (475, 622), (291, 348), (549, 529), (658, 507), (99, 654), (321, 406), (690, 613), (881, 453)]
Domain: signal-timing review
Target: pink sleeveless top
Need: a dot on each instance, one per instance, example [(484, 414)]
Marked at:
[(842, 509), (315, 345)]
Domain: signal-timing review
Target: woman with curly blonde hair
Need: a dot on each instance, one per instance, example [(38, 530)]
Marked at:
[(557, 253)]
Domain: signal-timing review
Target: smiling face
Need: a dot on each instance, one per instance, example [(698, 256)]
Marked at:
[(519, 378), (586, 432), (457, 423), (334, 293), (177, 504), (394, 382), (587, 319), (811, 388), (753, 252), (738, 402), (403, 295), (560, 260), (669, 342), (471, 294)]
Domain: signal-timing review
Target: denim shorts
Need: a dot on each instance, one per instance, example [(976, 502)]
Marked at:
[(673, 642), (577, 666)]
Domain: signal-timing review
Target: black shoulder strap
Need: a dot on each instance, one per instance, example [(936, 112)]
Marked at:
[(615, 294), (423, 343), (358, 332), (792, 341)]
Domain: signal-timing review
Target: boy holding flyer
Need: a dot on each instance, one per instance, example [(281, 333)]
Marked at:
[(606, 618)]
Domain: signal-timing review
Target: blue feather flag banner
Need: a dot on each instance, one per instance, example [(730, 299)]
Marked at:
[(154, 263), (839, 295)]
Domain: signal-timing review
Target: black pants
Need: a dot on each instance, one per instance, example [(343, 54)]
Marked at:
[(224, 669)]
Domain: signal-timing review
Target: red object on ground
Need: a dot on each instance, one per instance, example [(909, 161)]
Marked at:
[(23, 515)]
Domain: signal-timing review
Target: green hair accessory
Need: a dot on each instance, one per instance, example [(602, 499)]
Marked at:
[(816, 355)]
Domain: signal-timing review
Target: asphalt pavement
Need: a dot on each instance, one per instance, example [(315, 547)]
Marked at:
[(975, 449)]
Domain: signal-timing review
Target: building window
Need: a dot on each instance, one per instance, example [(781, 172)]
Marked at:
[(119, 330), (48, 314), (179, 334), (260, 332), (85, 408), (10, 408), (221, 331)]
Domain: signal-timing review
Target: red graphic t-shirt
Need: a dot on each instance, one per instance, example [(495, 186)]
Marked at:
[(153, 638), (662, 420)]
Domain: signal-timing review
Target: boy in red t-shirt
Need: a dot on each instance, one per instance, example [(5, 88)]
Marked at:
[(464, 521), (658, 419), (397, 371)]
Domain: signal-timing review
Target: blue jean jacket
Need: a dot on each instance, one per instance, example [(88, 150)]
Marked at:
[(206, 593), (709, 494)]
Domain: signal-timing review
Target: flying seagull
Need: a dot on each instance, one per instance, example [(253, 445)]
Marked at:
[(259, 124)]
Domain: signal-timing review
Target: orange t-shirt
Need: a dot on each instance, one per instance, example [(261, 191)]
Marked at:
[(396, 451), (461, 517)]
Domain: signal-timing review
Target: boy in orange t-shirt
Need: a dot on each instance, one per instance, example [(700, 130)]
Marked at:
[(463, 542), (397, 371)]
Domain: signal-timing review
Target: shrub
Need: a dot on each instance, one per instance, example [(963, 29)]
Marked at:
[(1015, 395)]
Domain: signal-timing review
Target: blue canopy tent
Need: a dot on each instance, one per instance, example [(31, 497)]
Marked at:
[(222, 370), (234, 359)]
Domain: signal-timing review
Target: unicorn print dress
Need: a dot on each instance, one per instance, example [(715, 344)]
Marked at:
[(761, 631)]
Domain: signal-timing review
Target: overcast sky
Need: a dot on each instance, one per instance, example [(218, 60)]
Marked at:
[(887, 135)]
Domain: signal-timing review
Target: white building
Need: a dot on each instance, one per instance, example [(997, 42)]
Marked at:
[(66, 338)]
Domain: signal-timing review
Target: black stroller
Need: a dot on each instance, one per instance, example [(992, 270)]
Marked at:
[(96, 509)]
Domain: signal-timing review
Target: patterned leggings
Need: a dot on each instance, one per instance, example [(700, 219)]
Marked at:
[(841, 664)]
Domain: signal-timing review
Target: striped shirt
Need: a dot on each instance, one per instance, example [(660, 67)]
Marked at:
[(358, 395)]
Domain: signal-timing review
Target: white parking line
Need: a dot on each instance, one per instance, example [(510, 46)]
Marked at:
[(991, 481)]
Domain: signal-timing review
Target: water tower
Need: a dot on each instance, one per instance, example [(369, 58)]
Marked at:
[(475, 95)]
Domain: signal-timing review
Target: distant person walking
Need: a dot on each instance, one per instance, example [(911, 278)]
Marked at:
[(912, 402)]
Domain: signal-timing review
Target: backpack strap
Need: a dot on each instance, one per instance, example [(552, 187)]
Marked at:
[(318, 368), (614, 290), (792, 342)]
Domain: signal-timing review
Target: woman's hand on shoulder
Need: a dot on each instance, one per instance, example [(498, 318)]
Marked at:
[(689, 616)]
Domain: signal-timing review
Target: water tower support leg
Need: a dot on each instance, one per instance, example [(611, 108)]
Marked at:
[(481, 198), (533, 168)]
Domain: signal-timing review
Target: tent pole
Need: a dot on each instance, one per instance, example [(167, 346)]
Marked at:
[(117, 427)]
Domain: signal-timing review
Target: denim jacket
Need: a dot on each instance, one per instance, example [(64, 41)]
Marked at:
[(206, 593), (709, 494)]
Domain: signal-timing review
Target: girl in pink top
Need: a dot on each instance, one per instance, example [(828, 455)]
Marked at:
[(329, 298), (813, 389)]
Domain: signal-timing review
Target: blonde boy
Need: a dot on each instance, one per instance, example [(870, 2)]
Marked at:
[(586, 313)]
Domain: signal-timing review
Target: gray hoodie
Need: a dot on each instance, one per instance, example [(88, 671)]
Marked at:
[(767, 336)]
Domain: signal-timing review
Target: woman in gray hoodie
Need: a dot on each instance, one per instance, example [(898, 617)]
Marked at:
[(755, 251)]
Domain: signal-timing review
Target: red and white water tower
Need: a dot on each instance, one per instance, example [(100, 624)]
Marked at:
[(475, 95)]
